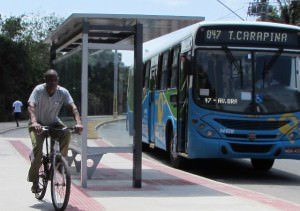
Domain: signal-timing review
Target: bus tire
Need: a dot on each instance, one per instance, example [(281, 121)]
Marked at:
[(175, 160), (145, 147), (262, 164)]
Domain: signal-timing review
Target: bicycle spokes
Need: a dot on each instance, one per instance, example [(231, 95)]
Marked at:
[(42, 181), (60, 185)]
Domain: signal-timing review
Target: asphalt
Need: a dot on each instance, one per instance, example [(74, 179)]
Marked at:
[(163, 188)]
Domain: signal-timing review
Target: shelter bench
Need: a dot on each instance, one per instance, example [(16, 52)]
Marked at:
[(93, 153)]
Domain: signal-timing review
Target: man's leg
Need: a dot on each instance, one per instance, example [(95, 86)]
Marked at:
[(64, 142), (37, 145), (64, 138), (16, 115)]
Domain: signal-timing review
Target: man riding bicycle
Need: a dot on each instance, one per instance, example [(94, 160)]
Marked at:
[(45, 103)]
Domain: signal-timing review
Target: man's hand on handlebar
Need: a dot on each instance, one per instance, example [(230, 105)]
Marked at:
[(78, 128), (37, 127)]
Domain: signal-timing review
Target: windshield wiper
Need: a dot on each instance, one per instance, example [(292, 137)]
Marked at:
[(273, 60), (232, 59)]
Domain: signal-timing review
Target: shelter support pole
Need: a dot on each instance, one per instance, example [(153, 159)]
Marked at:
[(138, 77), (84, 104), (116, 67)]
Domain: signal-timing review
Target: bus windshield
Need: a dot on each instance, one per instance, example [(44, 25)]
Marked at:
[(247, 82)]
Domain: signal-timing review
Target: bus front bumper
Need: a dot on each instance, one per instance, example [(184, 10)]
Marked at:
[(201, 147)]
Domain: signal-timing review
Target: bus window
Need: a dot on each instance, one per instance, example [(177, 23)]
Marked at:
[(165, 71), (146, 74), (170, 60), (152, 78), (159, 73), (153, 73), (174, 74)]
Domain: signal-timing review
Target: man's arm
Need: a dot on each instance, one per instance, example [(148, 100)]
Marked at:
[(75, 113), (31, 110), (33, 121), (76, 116)]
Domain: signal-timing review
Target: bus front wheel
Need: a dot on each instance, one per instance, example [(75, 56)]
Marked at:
[(262, 164), (175, 160)]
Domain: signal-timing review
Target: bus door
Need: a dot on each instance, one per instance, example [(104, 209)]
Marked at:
[(182, 114), (151, 117), (146, 108)]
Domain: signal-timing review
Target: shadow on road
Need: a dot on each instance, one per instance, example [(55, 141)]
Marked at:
[(42, 205), (234, 171)]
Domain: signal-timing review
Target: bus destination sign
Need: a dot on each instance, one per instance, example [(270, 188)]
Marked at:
[(242, 36)]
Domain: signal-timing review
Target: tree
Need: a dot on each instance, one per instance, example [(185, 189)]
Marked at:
[(283, 11), (13, 28), (24, 56), (289, 11)]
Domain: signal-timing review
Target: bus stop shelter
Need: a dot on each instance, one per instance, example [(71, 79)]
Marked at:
[(83, 32)]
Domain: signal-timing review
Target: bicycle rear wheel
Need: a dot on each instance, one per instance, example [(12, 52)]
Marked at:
[(60, 183), (43, 179)]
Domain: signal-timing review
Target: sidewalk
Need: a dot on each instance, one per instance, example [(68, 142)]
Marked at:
[(8, 126), (163, 187)]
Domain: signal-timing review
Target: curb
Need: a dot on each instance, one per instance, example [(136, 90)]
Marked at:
[(96, 127), (109, 121)]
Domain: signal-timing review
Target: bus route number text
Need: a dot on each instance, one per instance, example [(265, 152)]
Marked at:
[(213, 34), (224, 101)]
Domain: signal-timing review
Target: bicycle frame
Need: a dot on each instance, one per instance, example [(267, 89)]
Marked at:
[(50, 155), (55, 168)]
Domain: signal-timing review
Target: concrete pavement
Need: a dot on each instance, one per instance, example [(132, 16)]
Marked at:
[(164, 188), (8, 126)]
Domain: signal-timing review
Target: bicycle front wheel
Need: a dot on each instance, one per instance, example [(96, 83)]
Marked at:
[(43, 178), (60, 183)]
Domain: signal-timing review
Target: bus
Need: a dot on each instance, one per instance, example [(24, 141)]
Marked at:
[(223, 90)]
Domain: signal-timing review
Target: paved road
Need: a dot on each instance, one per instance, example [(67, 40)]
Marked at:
[(283, 181)]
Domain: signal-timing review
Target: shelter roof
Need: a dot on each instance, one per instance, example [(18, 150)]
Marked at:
[(114, 28)]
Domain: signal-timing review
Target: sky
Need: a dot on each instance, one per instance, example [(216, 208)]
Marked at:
[(212, 10)]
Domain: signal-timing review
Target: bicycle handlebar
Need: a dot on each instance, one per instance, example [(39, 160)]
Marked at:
[(48, 128)]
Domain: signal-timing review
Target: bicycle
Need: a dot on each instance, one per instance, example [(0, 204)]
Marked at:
[(54, 168)]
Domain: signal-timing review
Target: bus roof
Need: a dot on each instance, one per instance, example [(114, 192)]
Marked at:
[(165, 42)]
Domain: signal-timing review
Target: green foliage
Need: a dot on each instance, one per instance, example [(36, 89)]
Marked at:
[(289, 11), (23, 57), (282, 11), (13, 28), (100, 80)]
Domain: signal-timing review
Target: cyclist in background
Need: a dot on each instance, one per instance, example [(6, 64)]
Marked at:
[(45, 103)]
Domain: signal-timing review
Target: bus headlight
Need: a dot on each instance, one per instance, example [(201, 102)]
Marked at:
[(209, 133), (292, 135), (206, 130)]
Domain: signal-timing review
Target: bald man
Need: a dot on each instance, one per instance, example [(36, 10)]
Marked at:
[(45, 103)]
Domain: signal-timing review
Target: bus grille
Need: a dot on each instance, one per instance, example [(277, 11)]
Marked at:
[(246, 136), (251, 148), (251, 125)]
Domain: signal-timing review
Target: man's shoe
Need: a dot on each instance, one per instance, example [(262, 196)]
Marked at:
[(60, 168), (35, 188)]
